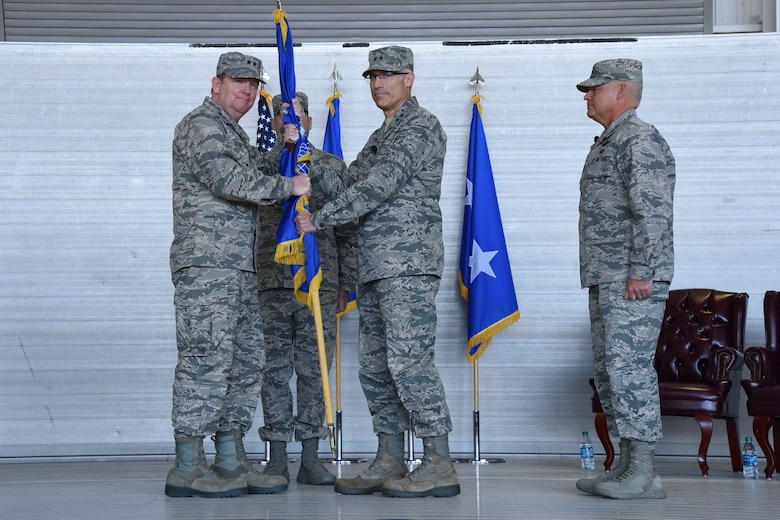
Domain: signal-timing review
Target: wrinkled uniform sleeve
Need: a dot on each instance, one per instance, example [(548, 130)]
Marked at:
[(330, 178), (218, 180), (216, 151), (626, 205), (396, 197)]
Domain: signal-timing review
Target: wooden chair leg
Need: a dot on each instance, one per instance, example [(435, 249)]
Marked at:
[(705, 423), (775, 442), (735, 449), (603, 433), (761, 425)]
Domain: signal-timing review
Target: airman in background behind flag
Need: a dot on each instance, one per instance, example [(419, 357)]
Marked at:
[(288, 324)]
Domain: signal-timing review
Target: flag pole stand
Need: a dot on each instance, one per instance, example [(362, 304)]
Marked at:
[(411, 459), (339, 455), (267, 456), (477, 458)]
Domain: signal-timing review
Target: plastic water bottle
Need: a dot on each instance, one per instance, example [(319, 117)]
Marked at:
[(749, 459), (586, 452)]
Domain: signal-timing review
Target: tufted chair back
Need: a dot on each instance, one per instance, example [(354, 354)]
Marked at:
[(694, 373), (763, 387), (699, 363), (772, 320)]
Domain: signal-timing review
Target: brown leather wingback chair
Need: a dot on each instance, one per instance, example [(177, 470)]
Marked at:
[(698, 360), (763, 387)]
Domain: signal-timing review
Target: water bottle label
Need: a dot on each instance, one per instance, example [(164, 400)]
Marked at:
[(586, 451), (749, 460)]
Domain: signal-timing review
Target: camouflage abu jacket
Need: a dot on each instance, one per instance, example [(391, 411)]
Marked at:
[(217, 181), (626, 205), (337, 246), (396, 196)]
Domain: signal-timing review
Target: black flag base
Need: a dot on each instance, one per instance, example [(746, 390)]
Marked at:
[(477, 459)]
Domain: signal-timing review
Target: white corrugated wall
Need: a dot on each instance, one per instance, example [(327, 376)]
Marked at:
[(87, 344)]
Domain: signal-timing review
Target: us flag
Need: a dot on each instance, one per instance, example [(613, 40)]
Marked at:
[(266, 136)]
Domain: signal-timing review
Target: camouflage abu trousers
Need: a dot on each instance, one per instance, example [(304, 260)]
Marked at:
[(291, 345), (397, 372), (220, 341), (625, 335)]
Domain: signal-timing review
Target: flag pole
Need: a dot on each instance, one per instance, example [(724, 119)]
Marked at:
[(332, 144), (477, 458), (339, 454), (335, 77), (337, 362), (317, 313), (264, 98)]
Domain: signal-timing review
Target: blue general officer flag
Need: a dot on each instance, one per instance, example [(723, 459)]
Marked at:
[(332, 141), (484, 275), (294, 249), (332, 145)]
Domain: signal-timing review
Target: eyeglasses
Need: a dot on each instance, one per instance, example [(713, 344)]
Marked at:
[(385, 74)]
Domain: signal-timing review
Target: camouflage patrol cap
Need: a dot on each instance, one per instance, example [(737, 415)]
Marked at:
[(237, 65), (303, 98), (393, 59), (620, 69)]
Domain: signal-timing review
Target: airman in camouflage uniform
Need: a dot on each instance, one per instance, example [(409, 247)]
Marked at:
[(290, 335), (400, 260), (627, 264), (218, 181)]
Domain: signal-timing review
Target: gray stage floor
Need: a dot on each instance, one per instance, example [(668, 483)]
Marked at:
[(516, 489)]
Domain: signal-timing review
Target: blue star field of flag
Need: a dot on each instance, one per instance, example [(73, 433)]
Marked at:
[(266, 136)]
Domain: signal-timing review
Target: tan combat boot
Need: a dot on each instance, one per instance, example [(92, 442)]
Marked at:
[(387, 465), (639, 480), (312, 471), (231, 462), (435, 476), (587, 484), (277, 465), (191, 476)]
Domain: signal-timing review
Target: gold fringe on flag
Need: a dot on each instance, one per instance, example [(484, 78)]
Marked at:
[(329, 102), (280, 18), (484, 337), (476, 100), (267, 96)]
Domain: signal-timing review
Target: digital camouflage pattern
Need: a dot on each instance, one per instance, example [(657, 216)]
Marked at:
[(291, 347), (218, 178), (400, 261), (626, 205), (238, 65), (220, 341), (625, 335), (612, 70), (393, 58), (396, 197), (396, 355), (626, 215), (290, 336)]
